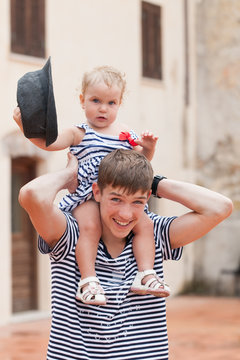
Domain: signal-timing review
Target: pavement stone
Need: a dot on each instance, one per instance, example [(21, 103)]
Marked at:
[(204, 328), (199, 328)]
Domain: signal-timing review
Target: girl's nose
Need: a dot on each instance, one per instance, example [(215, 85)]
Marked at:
[(103, 107)]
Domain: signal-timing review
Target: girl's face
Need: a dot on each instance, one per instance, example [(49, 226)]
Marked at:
[(101, 104)]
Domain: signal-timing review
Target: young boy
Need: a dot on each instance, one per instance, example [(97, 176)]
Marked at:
[(129, 326)]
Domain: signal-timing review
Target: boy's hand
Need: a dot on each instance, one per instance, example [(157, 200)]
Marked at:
[(148, 143), (17, 117)]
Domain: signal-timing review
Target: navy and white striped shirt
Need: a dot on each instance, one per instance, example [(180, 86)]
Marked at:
[(130, 326), (90, 152)]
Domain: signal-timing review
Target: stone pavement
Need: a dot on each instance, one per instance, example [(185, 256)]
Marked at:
[(204, 328), (200, 328)]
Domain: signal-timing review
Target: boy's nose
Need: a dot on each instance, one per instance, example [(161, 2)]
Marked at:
[(125, 213)]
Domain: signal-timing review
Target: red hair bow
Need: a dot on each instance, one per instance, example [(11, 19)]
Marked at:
[(125, 135)]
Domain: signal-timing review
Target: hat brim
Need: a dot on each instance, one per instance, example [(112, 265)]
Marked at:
[(51, 114), (35, 98)]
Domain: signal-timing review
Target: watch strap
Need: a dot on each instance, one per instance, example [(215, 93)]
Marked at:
[(156, 180)]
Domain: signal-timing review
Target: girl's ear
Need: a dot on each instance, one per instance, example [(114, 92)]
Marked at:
[(81, 97), (96, 192)]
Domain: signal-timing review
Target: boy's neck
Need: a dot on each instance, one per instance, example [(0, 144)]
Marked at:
[(114, 246)]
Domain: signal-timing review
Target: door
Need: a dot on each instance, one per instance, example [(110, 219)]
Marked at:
[(24, 286)]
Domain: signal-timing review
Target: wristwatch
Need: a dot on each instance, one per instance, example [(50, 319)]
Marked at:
[(156, 180)]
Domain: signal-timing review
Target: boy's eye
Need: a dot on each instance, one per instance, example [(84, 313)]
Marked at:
[(112, 103), (95, 101), (115, 199), (138, 202)]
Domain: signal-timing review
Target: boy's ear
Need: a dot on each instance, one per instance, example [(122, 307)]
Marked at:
[(96, 192), (81, 98), (149, 194)]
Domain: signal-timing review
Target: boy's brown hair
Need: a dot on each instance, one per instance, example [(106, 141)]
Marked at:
[(126, 169)]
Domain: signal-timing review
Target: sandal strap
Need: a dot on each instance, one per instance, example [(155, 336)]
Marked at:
[(88, 280), (92, 291), (86, 295), (159, 283), (150, 281), (148, 272)]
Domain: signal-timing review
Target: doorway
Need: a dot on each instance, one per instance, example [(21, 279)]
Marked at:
[(24, 249)]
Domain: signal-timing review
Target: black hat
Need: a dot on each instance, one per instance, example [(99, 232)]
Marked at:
[(37, 105)]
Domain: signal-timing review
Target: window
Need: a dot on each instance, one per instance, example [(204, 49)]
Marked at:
[(151, 41), (28, 27)]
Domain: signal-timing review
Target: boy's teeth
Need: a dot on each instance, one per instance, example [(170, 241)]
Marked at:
[(121, 223)]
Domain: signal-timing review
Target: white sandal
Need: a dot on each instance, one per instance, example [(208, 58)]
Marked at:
[(93, 294), (159, 289)]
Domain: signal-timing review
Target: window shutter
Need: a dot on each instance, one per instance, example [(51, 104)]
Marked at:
[(28, 27), (37, 28), (151, 40), (18, 21)]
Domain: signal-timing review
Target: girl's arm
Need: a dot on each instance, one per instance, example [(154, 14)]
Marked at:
[(68, 137), (146, 144)]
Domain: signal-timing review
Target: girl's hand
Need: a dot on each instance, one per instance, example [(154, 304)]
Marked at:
[(17, 117), (66, 138), (148, 143), (147, 140)]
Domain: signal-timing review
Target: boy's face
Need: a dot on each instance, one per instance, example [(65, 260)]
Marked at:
[(119, 211), (101, 104)]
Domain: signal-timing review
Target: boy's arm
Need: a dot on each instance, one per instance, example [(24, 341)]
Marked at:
[(68, 137), (146, 144), (37, 198), (208, 209)]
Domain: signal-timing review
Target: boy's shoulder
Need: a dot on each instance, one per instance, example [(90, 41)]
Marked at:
[(160, 221)]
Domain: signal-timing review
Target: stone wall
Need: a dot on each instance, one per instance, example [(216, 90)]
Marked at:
[(218, 135)]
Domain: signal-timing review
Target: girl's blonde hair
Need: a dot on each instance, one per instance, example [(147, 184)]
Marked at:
[(109, 75)]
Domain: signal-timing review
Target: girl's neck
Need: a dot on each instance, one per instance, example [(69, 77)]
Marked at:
[(113, 129)]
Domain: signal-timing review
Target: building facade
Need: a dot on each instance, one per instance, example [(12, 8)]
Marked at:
[(181, 60)]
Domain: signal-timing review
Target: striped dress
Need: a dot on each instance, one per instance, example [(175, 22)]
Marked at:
[(130, 326), (90, 152)]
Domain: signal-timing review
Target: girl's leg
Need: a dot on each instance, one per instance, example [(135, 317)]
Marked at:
[(88, 218), (146, 281), (144, 243)]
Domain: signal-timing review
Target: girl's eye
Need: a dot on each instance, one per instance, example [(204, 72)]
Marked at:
[(111, 102), (95, 101)]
